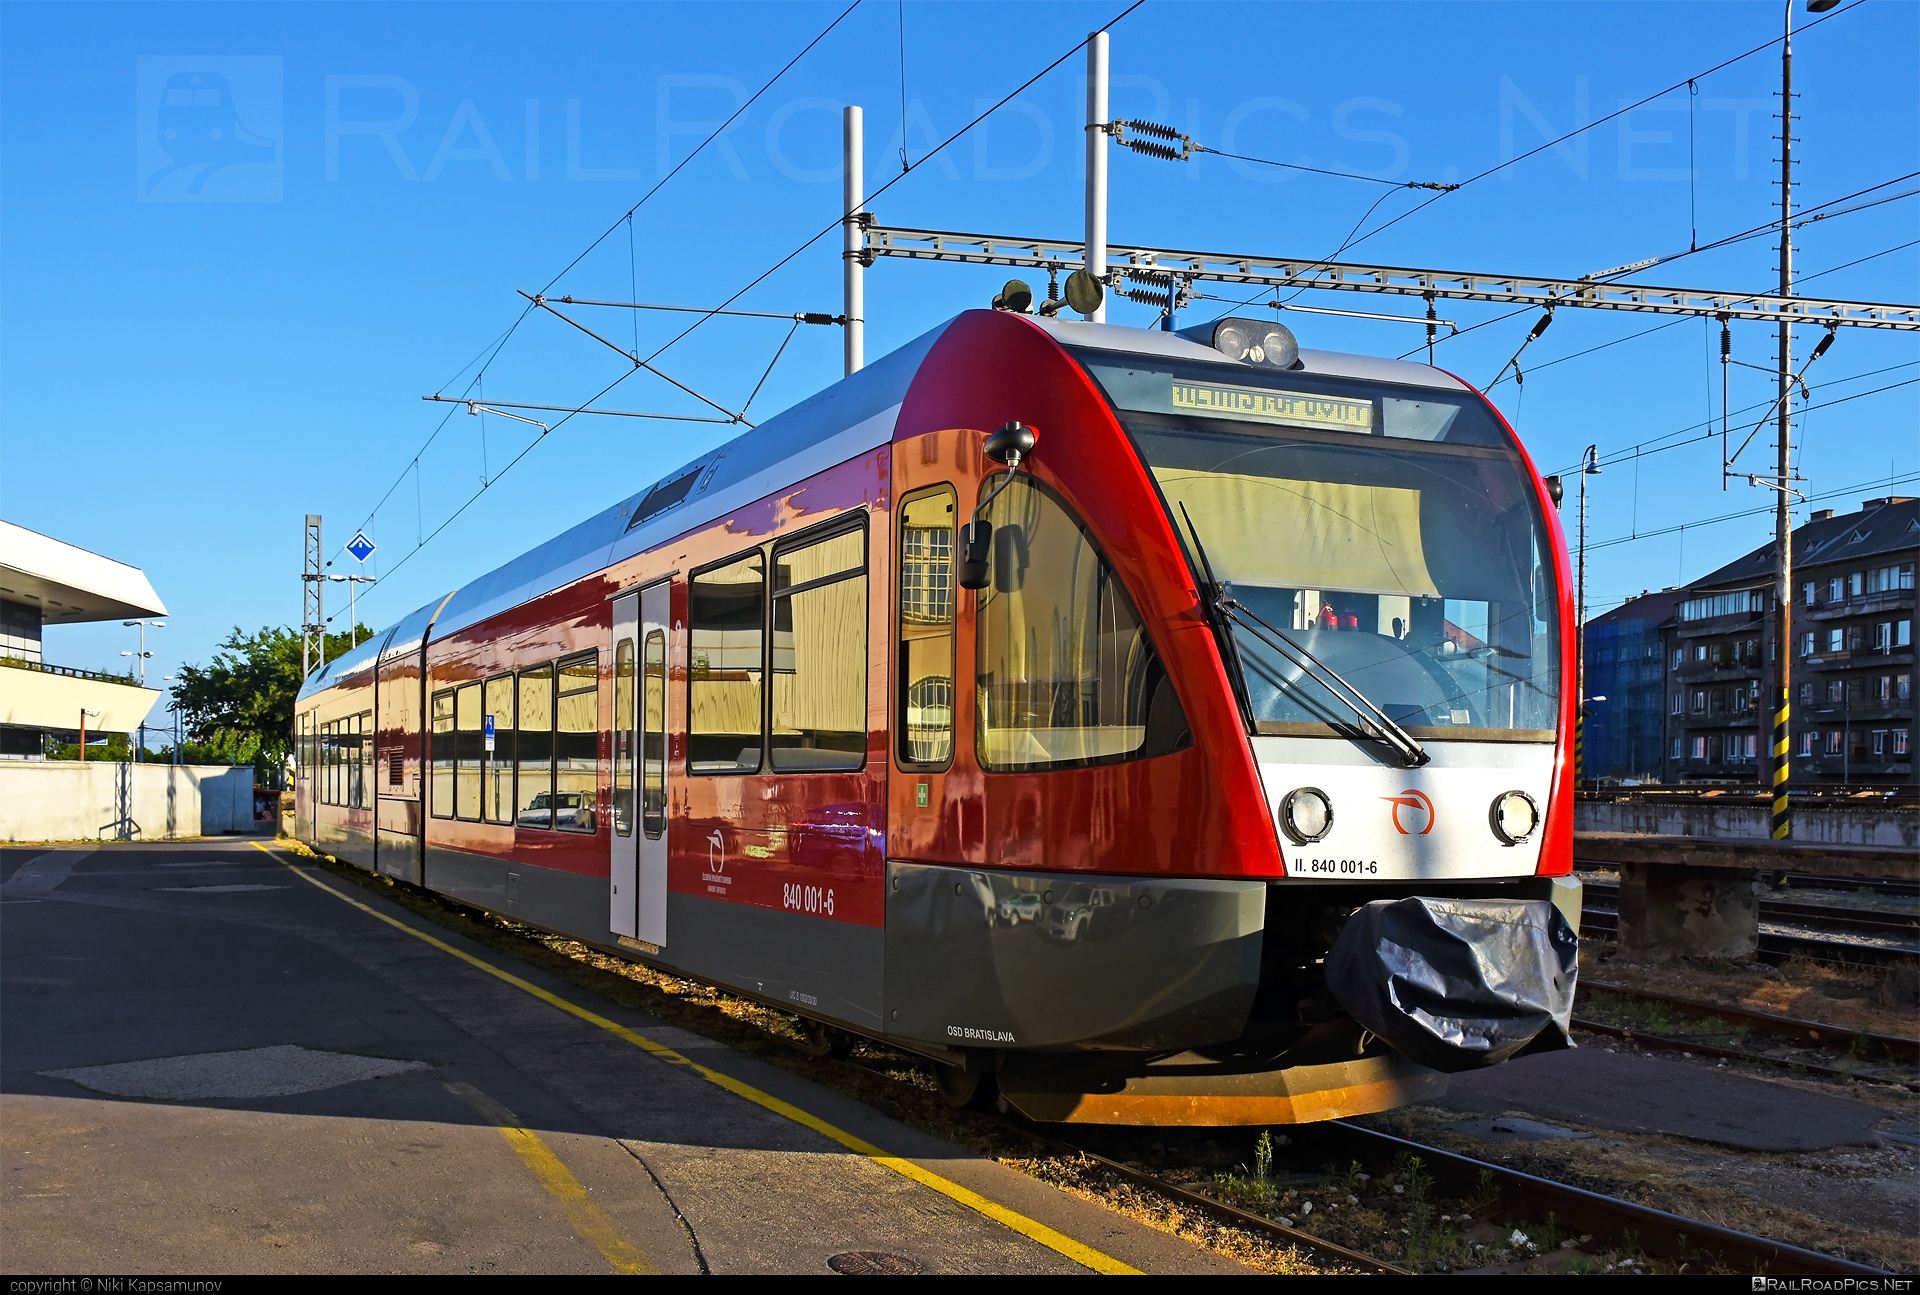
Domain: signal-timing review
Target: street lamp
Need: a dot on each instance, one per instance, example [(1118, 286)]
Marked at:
[(85, 715), (174, 706), (353, 615), (143, 655)]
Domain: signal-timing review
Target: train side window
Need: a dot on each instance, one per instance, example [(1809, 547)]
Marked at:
[(623, 737), (923, 710), (576, 745), (496, 796), (467, 746), (534, 756), (440, 789), (653, 736), (819, 684), (726, 612), (358, 791), (1067, 674)]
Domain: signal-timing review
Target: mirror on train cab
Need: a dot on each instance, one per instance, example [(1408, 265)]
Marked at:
[(975, 538), (1009, 444)]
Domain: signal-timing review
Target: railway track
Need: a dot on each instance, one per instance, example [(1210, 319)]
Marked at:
[(1858, 1046), (1853, 936), (1603, 1222)]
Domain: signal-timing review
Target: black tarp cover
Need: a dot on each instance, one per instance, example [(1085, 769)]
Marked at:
[(1457, 984)]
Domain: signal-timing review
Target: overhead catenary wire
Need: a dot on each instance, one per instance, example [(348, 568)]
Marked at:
[(755, 282), (492, 350), (1875, 484), (935, 151), (1626, 108)]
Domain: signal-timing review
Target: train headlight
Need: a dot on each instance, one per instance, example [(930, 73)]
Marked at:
[(1256, 341), (1306, 815), (1514, 816)]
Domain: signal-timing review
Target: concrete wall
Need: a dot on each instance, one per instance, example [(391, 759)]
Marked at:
[(65, 800), (1863, 823)]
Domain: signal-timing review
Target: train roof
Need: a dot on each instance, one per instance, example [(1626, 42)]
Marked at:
[(851, 417)]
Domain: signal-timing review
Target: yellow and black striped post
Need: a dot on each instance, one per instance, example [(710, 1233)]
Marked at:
[(1782, 814)]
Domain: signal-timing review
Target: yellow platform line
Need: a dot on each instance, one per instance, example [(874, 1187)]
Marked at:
[(588, 1219), (1060, 1243)]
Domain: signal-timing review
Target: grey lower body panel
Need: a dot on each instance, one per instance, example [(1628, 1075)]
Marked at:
[(979, 959), (815, 966), (399, 856)]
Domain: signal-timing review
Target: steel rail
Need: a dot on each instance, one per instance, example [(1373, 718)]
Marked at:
[(1776, 946), (1694, 1048), (1579, 1210), (1342, 276), (1198, 1200), (1831, 916), (1790, 1028)]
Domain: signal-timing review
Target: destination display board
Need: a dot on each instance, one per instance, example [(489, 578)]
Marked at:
[(1263, 405)]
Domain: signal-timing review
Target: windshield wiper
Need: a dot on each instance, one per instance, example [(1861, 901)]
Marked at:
[(1372, 718)]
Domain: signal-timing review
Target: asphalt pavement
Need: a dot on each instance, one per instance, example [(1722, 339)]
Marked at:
[(215, 1058)]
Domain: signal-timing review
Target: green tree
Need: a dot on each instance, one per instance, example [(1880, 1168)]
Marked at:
[(240, 707)]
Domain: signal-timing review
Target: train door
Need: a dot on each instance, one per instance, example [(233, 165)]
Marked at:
[(637, 879), (934, 799), (623, 874)]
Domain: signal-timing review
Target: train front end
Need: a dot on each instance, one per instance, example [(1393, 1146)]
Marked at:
[(1370, 639)]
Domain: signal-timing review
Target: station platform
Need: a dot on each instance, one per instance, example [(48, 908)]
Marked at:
[(216, 1058)]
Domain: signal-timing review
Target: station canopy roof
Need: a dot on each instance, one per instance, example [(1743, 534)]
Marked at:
[(70, 585)]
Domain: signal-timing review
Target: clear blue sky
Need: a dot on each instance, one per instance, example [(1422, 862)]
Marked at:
[(185, 373)]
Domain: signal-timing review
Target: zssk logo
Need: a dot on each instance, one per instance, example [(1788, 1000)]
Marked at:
[(1418, 810)]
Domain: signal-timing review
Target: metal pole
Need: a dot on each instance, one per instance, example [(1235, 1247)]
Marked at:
[(1782, 518), (313, 623), (853, 195), (1580, 619), (1096, 249), (83, 735)]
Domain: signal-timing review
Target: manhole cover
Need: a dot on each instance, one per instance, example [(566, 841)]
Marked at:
[(872, 1263)]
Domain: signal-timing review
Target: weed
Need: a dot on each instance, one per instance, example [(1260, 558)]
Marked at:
[(1263, 1158)]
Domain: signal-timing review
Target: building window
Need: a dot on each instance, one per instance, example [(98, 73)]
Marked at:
[(1836, 590), (1887, 579), (1834, 738), (1903, 633), (1679, 706), (1902, 687), (1806, 643), (1857, 584), (1883, 688), (1856, 637), (1699, 651), (1676, 748), (1806, 742), (819, 718), (1879, 742), (1806, 591), (1700, 748), (1677, 658), (1834, 691), (1836, 640), (1883, 637), (1806, 694), (1699, 701), (1706, 608), (1899, 741)]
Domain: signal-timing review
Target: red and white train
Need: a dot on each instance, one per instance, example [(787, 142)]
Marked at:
[(1240, 791)]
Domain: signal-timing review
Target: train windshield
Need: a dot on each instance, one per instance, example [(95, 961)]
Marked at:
[(1388, 534)]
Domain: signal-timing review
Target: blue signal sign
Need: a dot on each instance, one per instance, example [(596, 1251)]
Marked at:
[(360, 546)]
